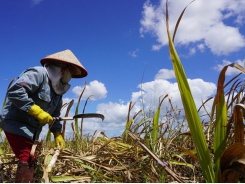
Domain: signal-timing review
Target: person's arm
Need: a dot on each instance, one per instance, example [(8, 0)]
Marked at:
[(19, 92), (26, 84)]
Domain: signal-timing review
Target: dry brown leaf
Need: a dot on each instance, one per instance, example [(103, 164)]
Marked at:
[(230, 155), (188, 152)]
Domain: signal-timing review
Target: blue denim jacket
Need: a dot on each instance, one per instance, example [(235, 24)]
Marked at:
[(32, 87)]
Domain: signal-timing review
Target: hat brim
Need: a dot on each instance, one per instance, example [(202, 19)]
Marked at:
[(77, 71)]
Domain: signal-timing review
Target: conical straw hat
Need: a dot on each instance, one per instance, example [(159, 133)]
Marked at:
[(66, 56)]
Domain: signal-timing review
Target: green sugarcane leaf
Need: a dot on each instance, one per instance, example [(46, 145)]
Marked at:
[(220, 133), (182, 163), (68, 178), (125, 135), (155, 126), (120, 144), (76, 128), (154, 131), (47, 159), (48, 137), (84, 165), (2, 153), (191, 112), (221, 120), (192, 116)]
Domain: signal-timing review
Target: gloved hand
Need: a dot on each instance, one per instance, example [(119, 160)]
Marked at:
[(42, 116), (59, 140)]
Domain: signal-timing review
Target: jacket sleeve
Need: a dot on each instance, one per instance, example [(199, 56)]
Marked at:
[(27, 83), (57, 126)]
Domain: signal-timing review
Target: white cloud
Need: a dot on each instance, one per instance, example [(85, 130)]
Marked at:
[(115, 118), (204, 22), (156, 47), (134, 53), (165, 74), (240, 19), (148, 96), (157, 88), (36, 2), (222, 39), (201, 47), (114, 111), (192, 51), (94, 90), (230, 71)]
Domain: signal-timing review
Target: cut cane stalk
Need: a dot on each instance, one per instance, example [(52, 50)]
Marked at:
[(53, 161)]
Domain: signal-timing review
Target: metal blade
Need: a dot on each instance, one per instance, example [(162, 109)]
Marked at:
[(90, 115), (87, 115)]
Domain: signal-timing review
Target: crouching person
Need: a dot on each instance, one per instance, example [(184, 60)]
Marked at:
[(32, 102)]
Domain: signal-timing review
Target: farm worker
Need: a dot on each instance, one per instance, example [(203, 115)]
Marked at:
[(32, 102)]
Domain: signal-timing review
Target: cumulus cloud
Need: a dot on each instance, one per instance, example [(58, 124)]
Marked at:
[(204, 22), (114, 111), (165, 74), (156, 47), (134, 53), (115, 118), (201, 47), (240, 19), (36, 2), (192, 51), (94, 90), (148, 95), (160, 87), (222, 39)]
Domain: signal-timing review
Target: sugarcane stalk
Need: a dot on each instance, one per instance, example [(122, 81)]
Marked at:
[(53, 160)]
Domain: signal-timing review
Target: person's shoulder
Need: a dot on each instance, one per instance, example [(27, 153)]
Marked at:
[(37, 69), (41, 68)]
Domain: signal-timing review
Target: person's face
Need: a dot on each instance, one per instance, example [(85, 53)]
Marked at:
[(65, 67)]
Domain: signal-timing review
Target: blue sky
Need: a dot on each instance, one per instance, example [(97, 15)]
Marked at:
[(123, 46)]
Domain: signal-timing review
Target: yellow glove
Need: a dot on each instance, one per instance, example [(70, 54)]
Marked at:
[(42, 116), (59, 140)]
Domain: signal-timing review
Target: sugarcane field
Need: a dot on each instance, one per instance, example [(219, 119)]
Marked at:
[(46, 137)]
